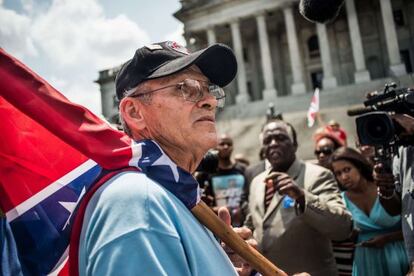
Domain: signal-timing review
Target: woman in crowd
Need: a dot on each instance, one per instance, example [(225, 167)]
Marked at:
[(325, 144), (379, 248)]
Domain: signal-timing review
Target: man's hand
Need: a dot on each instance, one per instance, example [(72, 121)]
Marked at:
[(406, 121), (285, 185), (385, 180), (242, 267)]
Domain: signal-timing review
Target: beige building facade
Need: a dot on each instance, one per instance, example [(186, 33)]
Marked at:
[(283, 57), (281, 54)]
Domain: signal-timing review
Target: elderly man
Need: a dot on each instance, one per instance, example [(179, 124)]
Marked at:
[(133, 225), (295, 207)]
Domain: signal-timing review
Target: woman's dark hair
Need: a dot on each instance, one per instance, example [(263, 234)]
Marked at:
[(355, 158)]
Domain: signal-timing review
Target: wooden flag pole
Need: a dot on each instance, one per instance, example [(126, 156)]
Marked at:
[(207, 217)]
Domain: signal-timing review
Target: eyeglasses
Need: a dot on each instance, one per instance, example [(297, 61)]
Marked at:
[(193, 91), (325, 151)]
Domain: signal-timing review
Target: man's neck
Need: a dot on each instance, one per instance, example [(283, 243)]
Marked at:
[(225, 163), (182, 157), (283, 168)]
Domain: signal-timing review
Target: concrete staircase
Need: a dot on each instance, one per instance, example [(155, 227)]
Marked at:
[(244, 121)]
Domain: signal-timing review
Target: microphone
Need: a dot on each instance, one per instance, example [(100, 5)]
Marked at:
[(320, 11), (359, 110)]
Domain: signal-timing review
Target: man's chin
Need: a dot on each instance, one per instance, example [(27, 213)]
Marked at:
[(206, 127), (210, 139)]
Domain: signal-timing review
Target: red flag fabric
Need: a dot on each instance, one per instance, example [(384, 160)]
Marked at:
[(59, 116), (50, 149), (52, 153)]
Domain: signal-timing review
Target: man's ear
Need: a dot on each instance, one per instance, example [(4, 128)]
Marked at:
[(296, 147), (131, 111)]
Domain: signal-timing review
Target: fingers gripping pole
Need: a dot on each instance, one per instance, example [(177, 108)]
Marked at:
[(207, 217)]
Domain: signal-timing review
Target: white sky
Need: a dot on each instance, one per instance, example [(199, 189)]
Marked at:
[(68, 41)]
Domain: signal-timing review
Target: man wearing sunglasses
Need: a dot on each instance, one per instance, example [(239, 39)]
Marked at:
[(137, 223)]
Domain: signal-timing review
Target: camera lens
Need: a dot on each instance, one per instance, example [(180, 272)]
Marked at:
[(375, 128)]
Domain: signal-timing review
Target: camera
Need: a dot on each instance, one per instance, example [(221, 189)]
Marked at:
[(375, 126)]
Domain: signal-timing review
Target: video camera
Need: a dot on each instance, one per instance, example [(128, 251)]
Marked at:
[(375, 126)]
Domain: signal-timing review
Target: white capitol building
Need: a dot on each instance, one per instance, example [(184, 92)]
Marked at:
[(282, 58)]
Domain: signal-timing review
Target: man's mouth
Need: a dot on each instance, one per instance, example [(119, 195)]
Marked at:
[(274, 153), (206, 119)]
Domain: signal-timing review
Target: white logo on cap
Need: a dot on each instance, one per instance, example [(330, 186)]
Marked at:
[(153, 47), (177, 47)]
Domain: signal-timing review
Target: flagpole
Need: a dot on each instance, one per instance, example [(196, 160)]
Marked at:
[(18, 84), (207, 217)]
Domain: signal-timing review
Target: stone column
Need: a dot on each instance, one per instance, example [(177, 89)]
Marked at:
[(187, 38), (329, 80), (242, 95), (396, 66), (211, 35), (266, 59), (361, 73), (296, 63)]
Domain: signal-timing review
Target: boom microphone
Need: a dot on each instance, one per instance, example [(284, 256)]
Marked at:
[(359, 110), (320, 11)]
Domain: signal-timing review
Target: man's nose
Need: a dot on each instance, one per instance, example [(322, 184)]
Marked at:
[(207, 101), (273, 142)]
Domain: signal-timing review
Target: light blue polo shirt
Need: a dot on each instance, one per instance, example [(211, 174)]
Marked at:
[(133, 226)]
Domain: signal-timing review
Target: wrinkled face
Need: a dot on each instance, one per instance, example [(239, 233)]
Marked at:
[(176, 123), (346, 174), (278, 146), (323, 150), (225, 146)]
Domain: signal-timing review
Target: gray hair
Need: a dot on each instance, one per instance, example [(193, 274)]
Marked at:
[(146, 99)]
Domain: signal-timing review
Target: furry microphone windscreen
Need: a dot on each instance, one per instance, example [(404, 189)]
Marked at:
[(320, 11)]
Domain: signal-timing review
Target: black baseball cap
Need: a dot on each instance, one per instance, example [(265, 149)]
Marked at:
[(217, 62)]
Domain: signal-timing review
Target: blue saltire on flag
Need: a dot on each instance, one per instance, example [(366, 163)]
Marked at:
[(51, 152)]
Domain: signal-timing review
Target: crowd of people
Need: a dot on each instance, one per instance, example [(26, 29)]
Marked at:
[(339, 215), (324, 216)]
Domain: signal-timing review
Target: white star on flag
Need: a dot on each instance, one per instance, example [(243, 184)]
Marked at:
[(70, 206), (165, 160), (313, 108)]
